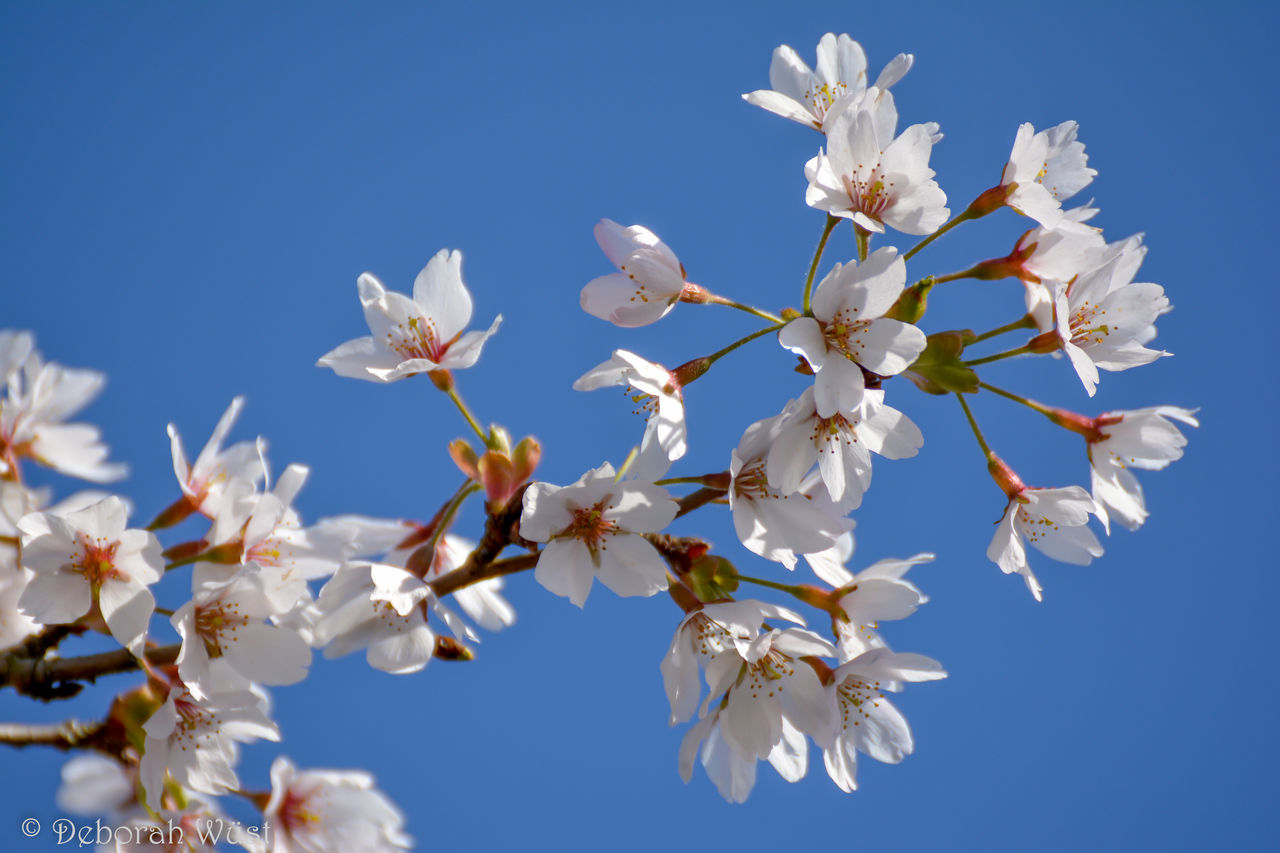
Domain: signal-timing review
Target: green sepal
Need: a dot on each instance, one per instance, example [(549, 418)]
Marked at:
[(939, 369)]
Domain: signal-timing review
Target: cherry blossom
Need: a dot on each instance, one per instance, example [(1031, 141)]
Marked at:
[(733, 773), (814, 97), (196, 741), (1054, 521), (848, 331), (417, 335), (648, 284), (328, 811), (1044, 170), (217, 474), (655, 390), (593, 529), (85, 561), (876, 179), (864, 720), (1141, 438)]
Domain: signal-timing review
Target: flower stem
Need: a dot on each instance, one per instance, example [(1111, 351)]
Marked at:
[(963, 217), (764, 315), (789, 588), (1024, 322), (998, 356), (863, 238), (466, 413), (817, 256), (718, 354), (973, 424), (1031, 404)]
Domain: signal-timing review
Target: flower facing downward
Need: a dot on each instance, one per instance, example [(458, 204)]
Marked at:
[(1142, 438), (657, 392), (417, 335), (592, 529), (1053, 520), (649, 282), (815, 97), (1044, 170)]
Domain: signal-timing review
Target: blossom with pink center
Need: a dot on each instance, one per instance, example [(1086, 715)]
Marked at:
[(329, 811), (417, 335), (1044, 170), (1054, 521), (815, 96), (206, 482), (648, 284), (848, 331), (196, 742), (876, 179), (85, 561), (593, 528), (1142, 438)]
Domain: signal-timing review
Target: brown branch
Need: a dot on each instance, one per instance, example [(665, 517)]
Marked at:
[(58, 678), (67, 735), (500, 530), (693, 500)]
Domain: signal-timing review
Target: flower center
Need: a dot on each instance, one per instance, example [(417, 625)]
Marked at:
[(844, 331), (591, 527), (420, 339), (870, 195), (857, 699), (217, 625), (752, 483), (97, 561)]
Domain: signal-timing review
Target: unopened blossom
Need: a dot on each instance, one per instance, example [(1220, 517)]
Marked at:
[(38, 397), (1142, 438), (703, 636), (209, 480), (227, 641), (418, 335), (841, 445), (655, 390), (196, 741), (774, 524), (1054, 521), (848, 331), (839, 81), (1103, 319), (382, 609), (86, 560), (649, 281), (594, 528), (1045, 169), (328, 811), (868, 175), (865, 721), (734, 773)]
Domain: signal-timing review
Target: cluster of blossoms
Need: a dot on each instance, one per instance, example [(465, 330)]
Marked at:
[(266, 590)]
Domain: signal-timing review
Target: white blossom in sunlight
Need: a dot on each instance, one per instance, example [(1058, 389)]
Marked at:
[(653, 388), (734, 773), (328, 811), (417, 335), (848, 331), (87, 560), (868, 175), (839, 81), (1044, 170), (93, 784), (197, 741), (865, 721), (208, 480), (593, 528), (649, 281), (1053, 520), (1142, 438)]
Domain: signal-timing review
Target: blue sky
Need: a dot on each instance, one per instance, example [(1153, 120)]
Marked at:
[(188, 193)]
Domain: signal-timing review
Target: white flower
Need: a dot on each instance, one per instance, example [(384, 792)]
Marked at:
[(869, 176), (1053, 520), (771, 523), (207, 482), (1103, 318), (593, 529), (87, 559), (649, 283), (39, 397), (329, 811), (840, 81), (483, 601), (1141, 438), (224, 625), (865, 721), (93, 784), (733, 773), (1044, 170), (415, 335), (656, 391), (841, 445), (849, 332), (703, 636), (196, 742)]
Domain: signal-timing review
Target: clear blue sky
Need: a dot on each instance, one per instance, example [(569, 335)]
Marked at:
[(189, 191)]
